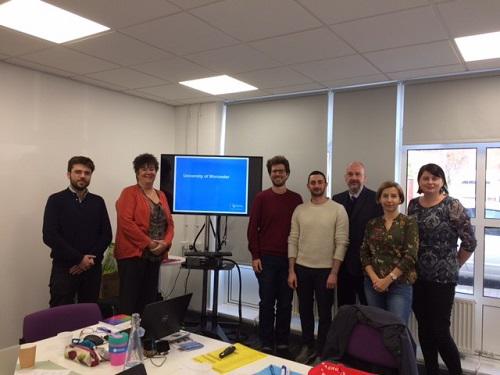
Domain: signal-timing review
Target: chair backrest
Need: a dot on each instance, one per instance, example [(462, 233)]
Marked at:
[(366, 343), (49, 322)]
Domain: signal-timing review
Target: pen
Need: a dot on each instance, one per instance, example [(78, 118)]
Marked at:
[(103, 329), (284, 370)]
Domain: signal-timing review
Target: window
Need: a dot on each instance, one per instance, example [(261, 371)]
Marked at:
[(459, 166), (492, 203), (473, 175), (491, 262)]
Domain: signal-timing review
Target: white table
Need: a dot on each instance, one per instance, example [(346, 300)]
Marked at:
[(177, 362)]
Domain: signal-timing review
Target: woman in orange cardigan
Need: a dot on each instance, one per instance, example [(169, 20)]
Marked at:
[(144, 236)]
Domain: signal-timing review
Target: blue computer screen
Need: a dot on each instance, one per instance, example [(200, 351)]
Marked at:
[(204, 184)]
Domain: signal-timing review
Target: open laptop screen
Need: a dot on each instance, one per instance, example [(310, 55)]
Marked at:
[(163, 318)]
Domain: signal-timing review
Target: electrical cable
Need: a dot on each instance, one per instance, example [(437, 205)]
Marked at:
[(186, 281), (196, 238), (240, 314), (175, 282), (224, 236)]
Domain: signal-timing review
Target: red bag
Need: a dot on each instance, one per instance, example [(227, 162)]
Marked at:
[(330, 368)]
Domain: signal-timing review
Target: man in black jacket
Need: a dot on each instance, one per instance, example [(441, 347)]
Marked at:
[(361, 206), (77, 229)]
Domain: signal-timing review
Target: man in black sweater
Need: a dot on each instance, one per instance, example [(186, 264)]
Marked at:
[(77, 229), (361, 206)]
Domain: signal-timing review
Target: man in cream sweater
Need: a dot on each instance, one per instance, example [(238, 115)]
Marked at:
[(318, 239)]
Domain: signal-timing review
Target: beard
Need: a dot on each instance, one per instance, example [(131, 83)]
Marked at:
[(278, 182), (79, 185), (317, 193)]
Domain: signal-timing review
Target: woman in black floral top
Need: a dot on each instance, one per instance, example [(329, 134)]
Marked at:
[(442, 220), (389, 253)]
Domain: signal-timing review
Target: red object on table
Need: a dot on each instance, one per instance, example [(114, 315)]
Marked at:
[(330, 368)]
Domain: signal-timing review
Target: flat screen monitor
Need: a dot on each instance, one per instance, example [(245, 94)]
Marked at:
[(210, 185)]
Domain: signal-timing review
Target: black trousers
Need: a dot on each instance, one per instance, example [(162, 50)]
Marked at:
[(138, 284), (275, 306), (432, 304), (311, 285), (349, 287), (66, 289)]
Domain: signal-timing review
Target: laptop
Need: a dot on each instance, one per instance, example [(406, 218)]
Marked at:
[(163, 319), (8, 359)]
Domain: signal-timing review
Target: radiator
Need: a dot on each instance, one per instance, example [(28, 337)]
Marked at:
[(462, 325)]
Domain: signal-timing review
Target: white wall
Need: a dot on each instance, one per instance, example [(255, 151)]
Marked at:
[(46, 120), (198, 131)]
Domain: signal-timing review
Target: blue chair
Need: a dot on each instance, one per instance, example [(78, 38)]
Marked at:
[(49, 322)]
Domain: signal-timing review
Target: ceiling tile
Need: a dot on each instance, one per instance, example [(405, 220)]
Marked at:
[(39, 67), (119, 48), (428, 72), (414, 57), (234, 59), (181, 34), (392, 30), (98, 83), (189, 4), (127, 78), (335, 69), (334, 11), (471, 17), (296, 88), (206, 99), (354, 81), (276, 77), (485, 64), (305, 46), (257, 19), (244, 95), (174, 70), (145, 95), (71, 61), (117, 13), (14, 43), (172, 92)]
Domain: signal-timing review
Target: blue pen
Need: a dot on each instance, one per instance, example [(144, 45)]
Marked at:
[(104, 329), (271, 369)]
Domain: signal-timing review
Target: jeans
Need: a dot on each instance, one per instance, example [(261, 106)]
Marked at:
[(396, 300), (311, 284), (432, 304), (66, 289), (275, 305)]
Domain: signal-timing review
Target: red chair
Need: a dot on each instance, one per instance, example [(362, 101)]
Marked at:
[(49, 322)]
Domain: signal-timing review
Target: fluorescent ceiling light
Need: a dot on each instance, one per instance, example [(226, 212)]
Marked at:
[(480, 46), (46, 21), (219, 85)]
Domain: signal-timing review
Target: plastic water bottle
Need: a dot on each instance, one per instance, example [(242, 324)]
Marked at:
[(135, 354)]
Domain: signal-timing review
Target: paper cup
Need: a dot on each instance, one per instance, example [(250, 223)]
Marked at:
[(27, 354)]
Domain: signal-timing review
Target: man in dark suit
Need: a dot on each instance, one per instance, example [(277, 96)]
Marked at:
[(361, 206)]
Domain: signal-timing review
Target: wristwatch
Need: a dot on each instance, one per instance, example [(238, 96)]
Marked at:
[(393, 277)]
